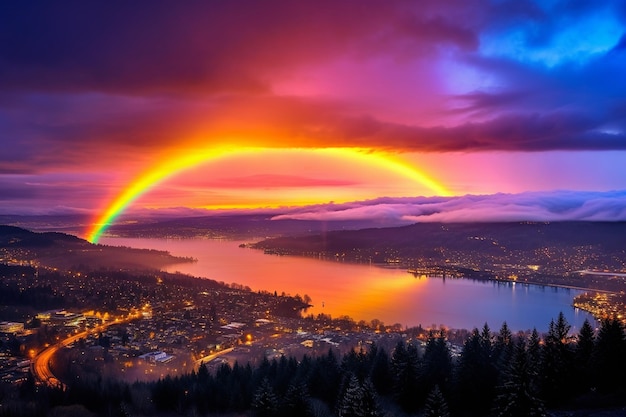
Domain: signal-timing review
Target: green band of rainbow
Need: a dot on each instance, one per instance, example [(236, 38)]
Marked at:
[(175, 165)]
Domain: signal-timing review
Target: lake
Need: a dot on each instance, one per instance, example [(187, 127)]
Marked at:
[(366, 292)]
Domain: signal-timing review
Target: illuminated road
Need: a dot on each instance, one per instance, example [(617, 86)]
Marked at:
[(40, 366), (209, 358)]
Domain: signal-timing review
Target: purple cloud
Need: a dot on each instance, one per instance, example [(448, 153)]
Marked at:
[(110, 88), (143, 74), (531, 206)]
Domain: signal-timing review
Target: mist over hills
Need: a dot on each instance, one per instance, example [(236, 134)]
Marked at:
[(237, 226), (538, 206)]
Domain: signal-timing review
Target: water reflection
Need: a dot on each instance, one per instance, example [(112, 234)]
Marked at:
[(366, 292)]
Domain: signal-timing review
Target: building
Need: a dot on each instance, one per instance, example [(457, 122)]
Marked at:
[(156, 357), (11, 327), (66, 318)]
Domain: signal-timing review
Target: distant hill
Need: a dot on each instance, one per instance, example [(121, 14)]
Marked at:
[(11, 236), (240, 226), (483, 237), (542, 253), (60, 250)]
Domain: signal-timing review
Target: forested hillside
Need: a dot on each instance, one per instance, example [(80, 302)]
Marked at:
[(496, 374)]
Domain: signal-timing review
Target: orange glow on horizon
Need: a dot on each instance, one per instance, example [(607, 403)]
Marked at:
[(372, 163)]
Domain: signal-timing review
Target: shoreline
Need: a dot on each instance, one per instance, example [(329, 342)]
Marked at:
[(401, 269), (567, 287), (399, 266), (543, 284)]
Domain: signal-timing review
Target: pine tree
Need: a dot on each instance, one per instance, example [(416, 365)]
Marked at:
[(475, 376), (324, 378), (296, 402), (534, 348), (405, 365), (503, 348), (437, 364), (557, 363), (582, 354), (505, 337), (436, 405), (534, 360), (351, 402), (485, 339), (265, 402), (371, 408), (380, 371), (355, 362), (609, 355), (561, 328), (203, 373), (517, 397)]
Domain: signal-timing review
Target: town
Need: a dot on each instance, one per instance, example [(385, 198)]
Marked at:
[(146, 325), (61, 327)]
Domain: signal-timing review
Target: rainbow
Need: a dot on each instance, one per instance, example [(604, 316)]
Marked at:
[(177, 164)]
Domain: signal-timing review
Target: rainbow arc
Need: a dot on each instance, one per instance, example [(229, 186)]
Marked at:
[(177, 164)]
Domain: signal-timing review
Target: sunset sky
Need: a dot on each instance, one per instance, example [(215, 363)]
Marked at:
[(478, 97)]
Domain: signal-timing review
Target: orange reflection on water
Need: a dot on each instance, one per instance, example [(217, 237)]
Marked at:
[(367, 292), (383, 291)]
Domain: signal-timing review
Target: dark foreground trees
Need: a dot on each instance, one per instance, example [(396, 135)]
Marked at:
[(496, 374)]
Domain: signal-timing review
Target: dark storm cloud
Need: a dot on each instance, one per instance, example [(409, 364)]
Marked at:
[(193, 47), (89, 83), (516, 132)]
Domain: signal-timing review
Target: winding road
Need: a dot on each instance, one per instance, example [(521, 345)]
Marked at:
[(40, 366)]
